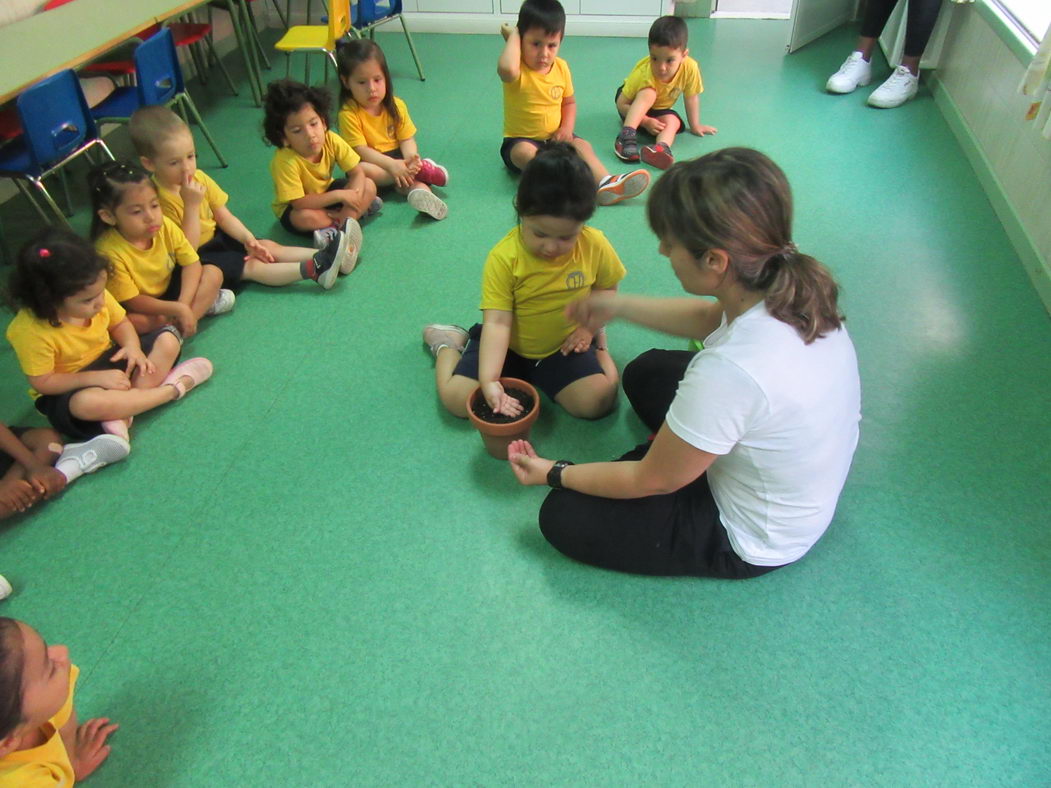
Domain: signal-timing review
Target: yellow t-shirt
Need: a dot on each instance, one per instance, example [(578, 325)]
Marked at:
[(42, 348), (296, 177), (537, 291), (145, 271), (214, 197), (46, 766), (686, 82), (533, 102), (359, 127)]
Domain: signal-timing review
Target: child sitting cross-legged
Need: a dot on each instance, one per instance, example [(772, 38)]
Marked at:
[(648, 95), (64, 335), (194, 201)]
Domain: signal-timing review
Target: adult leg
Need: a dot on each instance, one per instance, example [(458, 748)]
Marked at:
[(650, 383), (877, 12), (919, 24), (676, 534)]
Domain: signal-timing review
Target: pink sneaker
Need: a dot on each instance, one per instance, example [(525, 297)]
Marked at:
[(432, 174), (196, 369)]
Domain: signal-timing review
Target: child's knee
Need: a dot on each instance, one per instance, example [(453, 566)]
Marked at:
[(583, 146)]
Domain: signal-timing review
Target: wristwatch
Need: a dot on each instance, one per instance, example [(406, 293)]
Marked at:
[(554, 476)]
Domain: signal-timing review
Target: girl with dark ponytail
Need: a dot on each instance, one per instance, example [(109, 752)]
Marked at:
[(755, 433)]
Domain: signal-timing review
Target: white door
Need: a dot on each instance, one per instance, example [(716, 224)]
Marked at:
[(811, 19)]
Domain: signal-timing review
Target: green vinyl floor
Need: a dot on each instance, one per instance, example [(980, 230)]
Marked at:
[(307, 574)]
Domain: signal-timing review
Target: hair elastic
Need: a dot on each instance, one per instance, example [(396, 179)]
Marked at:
[(789, 248), (44, 252)]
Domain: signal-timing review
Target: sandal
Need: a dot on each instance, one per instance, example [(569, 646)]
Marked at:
[(196, 369)]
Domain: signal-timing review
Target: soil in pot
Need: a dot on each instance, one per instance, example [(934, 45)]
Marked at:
[(485, 413)]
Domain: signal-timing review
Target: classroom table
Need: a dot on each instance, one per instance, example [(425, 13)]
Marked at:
[(76, 33)]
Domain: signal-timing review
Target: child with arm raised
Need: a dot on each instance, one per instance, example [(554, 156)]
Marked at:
[(549, 260), (196, 203), (650, 91), (63, 336), (377, 125), (539, 103), (307, 199)]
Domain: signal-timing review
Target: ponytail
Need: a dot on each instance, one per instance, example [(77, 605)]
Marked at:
[(738, 200)]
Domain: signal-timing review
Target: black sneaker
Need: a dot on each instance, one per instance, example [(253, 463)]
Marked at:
[(627, 147), (326, 262)]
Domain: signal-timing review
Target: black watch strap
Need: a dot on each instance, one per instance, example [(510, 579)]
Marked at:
[(554, 476)]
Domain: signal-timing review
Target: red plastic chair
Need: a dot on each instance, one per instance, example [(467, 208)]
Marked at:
[(185, 34)]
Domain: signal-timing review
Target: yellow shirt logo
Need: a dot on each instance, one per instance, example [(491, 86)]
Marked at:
[(575, 280), (556, 91)]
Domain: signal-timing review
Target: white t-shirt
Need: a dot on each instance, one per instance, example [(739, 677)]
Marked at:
[(783, 416)]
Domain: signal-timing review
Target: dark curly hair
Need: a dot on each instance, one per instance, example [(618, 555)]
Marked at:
[(11, 664), (49, 269), (285, 96), (557, 182)]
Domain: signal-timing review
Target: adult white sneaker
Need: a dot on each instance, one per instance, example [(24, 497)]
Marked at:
[(900, 86), (854, 72)]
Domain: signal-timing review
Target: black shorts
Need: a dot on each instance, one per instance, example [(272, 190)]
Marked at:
[(550, 375), (656, 113), (228, 255), (6, 460), (286, 217), (510, 142), (55, 407)]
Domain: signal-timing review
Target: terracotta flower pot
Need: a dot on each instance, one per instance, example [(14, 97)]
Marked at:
[(497, 437)]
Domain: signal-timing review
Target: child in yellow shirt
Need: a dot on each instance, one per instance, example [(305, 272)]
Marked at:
[(41, 743), (191, 199), (650, 91), (539, 103), (549, 260), (377, 125)]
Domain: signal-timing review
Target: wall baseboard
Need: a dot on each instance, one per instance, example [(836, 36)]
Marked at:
[(1036, 266)]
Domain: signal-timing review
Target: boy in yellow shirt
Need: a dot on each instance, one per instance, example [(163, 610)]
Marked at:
[(539, 103), (650, 91)]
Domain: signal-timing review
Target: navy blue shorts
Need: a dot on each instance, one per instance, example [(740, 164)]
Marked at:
[(550, 375), (55, 407), (656, 113), (510, 142), (228, 255), (286, 217)]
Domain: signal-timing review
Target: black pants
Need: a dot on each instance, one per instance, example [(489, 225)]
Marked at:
[(675, 534), (919, 22)]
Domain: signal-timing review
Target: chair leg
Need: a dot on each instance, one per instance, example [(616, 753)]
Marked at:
[(198, 63), (47, 197), (281, 16), (254, 31), (412, 48), (28, 194), (185, 98), (219, 62), (233, 7)]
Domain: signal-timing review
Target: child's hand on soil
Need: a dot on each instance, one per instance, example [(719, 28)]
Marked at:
[(577, 342), (700, 131), (91, 748), (499, 400), (192, 192), (527, 466), (653, 125), (46, 480), (16, 495)]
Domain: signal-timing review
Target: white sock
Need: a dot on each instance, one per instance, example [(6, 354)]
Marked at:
[(69, 468)]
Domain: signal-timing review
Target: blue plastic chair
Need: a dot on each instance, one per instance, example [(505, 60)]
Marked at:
[(57, 127), (159, 81), (367, 15)]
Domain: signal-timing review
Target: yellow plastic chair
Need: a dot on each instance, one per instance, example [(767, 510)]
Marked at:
[(317, 38)]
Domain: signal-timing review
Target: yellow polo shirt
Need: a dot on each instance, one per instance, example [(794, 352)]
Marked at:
[(537, 291), (42, 348), (295, 176), (145, 271), (533, 102), (46, 766), (214, 197), (379, 132), (686, 82)]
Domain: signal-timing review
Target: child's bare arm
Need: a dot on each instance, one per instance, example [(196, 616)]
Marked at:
[(175, 310), (125, 336), (316, 201), (496, 338), (190, 281), (15, 449), (192, 194), (398, 169), (86, 744), (693, 116), (236, 229), (61, 382), (564, 133), (510, 63)]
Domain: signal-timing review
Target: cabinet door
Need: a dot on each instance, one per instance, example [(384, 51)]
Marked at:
[(512, 6), (622, 7), (462, 6)]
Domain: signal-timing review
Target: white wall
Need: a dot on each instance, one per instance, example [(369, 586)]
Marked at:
[(976, 86)]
